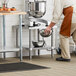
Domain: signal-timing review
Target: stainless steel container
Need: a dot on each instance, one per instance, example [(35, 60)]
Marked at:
[(37, 8), (43, 34), (39, 43)]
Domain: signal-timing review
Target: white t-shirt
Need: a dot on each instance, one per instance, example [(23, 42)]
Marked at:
[(59, 5)]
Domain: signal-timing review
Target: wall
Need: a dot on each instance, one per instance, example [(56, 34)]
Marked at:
[(14, 20)]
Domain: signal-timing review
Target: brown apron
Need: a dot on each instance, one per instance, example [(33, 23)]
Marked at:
[(66, 24)]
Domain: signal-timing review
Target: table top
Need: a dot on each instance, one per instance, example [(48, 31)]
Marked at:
[(13, 13), (40, 27)]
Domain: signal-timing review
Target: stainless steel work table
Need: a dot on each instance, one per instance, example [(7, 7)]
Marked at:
[(30, 48), (39, 48), (4, 49)]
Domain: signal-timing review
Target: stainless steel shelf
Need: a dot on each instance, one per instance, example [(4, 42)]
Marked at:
[(36, 48), (9, 50)]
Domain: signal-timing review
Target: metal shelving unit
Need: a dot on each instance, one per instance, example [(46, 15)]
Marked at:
[(30, 47), (39, 48)]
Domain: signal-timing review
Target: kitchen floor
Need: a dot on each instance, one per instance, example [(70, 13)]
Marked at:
[(56, 68)]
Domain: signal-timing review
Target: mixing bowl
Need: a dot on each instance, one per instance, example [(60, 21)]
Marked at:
[(37, 9), (38, 43), (43, 34)]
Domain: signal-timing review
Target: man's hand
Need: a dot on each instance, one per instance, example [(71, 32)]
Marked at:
[(48, 30)]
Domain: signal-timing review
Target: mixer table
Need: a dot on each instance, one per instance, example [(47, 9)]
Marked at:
[(30, 47)]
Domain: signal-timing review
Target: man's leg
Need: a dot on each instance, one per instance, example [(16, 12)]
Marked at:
[(64, 44), (73, 32), (74, 36)]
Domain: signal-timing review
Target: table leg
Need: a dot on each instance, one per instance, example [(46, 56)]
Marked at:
[(75, 49), (4, 54), (52, 44), (20, 30), (17, 37), (4, 38), (38, 40), (30, 49), (16, 41)]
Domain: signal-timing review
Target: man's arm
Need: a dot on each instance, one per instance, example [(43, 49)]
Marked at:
[(48, 29)]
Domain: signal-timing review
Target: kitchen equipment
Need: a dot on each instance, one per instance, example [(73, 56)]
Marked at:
[(39, 43), (33, 24), (43, 34), (38, 20), (37, 8)]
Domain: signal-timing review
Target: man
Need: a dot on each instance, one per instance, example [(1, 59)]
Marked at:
[(68, 27)]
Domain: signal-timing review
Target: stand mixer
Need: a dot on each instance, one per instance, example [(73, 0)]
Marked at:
[(36, 10)]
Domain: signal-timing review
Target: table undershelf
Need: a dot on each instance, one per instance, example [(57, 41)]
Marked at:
[(37, 48), (9, 50)]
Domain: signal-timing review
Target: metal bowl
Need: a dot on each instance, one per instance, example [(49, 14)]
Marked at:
[(37, 9), (38, 43), (43, 34)]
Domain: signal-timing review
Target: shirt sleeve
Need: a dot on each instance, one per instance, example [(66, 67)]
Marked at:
[(58, 11)]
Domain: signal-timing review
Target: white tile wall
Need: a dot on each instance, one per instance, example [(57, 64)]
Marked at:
[(14, 20)]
